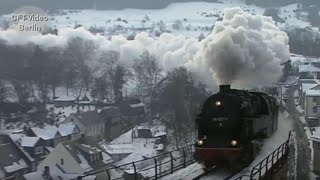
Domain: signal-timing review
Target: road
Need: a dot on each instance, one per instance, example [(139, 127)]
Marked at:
[(304, 154)]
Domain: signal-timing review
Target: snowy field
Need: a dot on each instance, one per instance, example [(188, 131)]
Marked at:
[(196, 18)]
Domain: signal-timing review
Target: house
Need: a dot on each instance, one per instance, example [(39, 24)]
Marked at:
[(302, 90), (70, 131), (144, 132), (308, 72), (112, 119), (118, 151), (34, 146), (73, 158), (316, 150), (64, 101), (54, 173), (90, 124), (53, 135), (14, 161), (162, 136), (312, 107), (49, 134), (132, 110)]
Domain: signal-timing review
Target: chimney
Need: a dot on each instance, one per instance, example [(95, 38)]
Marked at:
[(46, 172), (224, 88)]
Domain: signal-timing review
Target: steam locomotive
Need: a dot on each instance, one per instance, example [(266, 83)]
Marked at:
[(231, 126)]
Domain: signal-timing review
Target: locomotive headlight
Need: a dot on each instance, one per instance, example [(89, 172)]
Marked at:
[(234, 143), (218, 103), (200, 142)]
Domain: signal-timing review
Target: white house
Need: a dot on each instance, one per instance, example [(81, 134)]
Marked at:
[(312, 107), (304, 87), (53, 135), (307, 73), (76, 158)]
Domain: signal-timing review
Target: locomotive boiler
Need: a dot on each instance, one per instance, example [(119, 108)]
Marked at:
[(231, 126)]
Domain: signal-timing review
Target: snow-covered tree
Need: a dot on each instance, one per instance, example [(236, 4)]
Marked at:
[(177, 25)]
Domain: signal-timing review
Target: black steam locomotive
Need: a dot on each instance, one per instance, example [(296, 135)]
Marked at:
[(232, 124)]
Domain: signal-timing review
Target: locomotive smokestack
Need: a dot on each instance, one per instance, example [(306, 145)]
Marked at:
[(225, 88)]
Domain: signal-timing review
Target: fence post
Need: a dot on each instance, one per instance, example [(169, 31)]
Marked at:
[(135, 171), (251, 174), (171, 158), (260, 166), (184, 158), (267, 163), (108, 173), (155, 168)]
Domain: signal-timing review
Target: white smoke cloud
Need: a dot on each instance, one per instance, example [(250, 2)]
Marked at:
[(245, 50), (242, 49)]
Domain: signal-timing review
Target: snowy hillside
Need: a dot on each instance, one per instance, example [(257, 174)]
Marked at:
[(193, 18)]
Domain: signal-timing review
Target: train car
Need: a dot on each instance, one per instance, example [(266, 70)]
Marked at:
[(231, 126)]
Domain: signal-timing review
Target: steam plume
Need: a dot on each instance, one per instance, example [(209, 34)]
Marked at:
[(245, 50)]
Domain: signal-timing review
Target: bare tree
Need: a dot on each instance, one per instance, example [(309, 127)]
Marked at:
[(148, 74), (79, 53), (181, 97)]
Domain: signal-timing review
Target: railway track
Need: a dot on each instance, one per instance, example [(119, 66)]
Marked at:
[(217, 174)]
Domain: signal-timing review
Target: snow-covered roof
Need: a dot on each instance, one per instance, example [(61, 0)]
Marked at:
[(84, 163), (21, 164), (313, 93), (106, 158), (158, 134), (137, 105), (56, 174), (49, 132), (307, 86), (143, 127), (65, 98), (66, 129), (118, 148), (46, 133), (308, 68), (29, 141), (83, 155)]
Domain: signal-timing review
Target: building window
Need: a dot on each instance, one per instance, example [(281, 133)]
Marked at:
[(315, 109), (61, 161), (315, 99), (38, 150)]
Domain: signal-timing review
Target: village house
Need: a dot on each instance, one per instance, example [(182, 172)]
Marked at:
[(64, 101), (49, 134), (316, 150), (112, 119), (302, 91), (34, 146), (14, 162), (73, 158), (53, 135), (312, 107), (308, 72), (90, 124)]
